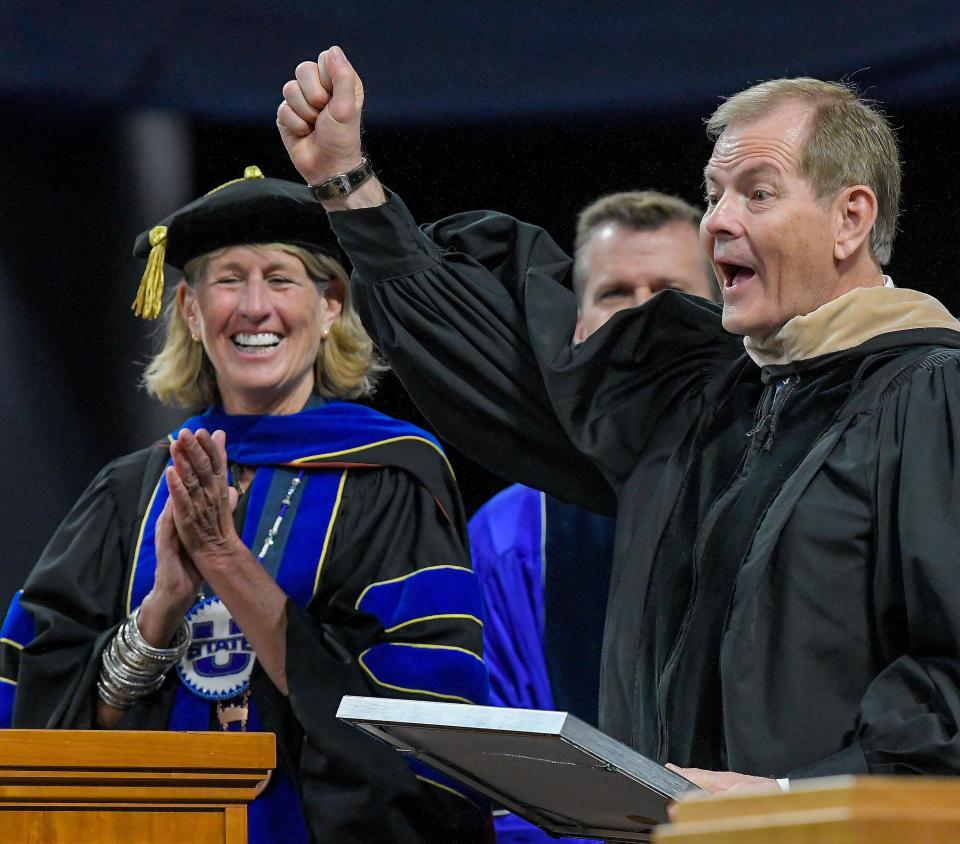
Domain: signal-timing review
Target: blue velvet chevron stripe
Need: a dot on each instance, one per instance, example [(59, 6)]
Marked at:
[(437, 592), (444, 672), (422, 599), (17, 632), (427, 595)]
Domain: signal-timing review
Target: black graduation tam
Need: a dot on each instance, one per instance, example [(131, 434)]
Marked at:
[(253, 209)]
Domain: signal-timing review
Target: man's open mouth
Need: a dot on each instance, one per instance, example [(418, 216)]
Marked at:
[(734, 274)]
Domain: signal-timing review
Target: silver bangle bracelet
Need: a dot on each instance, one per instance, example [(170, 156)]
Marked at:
[(125, 687), (131, 668), (110, 698), (133, 636), (125, 660), (121, 692), (119, 676)]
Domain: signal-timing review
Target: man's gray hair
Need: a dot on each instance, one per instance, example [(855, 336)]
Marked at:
[(850, 142)]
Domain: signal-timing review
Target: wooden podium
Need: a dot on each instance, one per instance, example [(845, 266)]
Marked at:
[(838, 810), (123, 786)]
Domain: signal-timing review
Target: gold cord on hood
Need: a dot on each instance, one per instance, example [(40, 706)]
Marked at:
[(251, 172)]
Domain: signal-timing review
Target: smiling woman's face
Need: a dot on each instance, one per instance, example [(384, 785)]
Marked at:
[(261, 319)]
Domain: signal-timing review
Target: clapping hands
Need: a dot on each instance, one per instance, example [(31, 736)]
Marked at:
[(201, 500)]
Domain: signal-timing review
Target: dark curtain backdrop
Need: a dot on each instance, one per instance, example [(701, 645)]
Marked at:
[(463, 59), (532, 121)]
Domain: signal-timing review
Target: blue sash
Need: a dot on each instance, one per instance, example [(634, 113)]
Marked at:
[(325, 441)]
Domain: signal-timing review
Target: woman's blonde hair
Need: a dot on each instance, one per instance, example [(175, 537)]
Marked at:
[(346, 366)]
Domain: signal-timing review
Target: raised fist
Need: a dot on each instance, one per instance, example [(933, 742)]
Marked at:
[(319, 118)]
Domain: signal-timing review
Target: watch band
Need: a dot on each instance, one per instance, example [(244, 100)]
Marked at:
[(337, 186)]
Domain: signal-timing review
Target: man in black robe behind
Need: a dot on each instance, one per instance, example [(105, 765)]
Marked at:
[(784, 600)]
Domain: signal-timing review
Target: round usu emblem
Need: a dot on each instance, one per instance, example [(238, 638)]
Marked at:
[(218, 663)]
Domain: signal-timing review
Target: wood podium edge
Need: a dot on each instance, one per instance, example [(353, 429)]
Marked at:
[(74, 767)]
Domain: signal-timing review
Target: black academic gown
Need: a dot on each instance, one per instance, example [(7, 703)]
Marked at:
[(784, 598), (353, 789)]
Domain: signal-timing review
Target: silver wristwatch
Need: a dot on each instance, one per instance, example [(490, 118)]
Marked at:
[(337, 186)]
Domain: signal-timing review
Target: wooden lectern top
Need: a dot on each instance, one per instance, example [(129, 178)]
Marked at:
[(142, 764), (835, 810), (120, 786)]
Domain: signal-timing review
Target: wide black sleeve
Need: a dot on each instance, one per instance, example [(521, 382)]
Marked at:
[(397, 613), (473, 315), (909, 716), (75, 595)]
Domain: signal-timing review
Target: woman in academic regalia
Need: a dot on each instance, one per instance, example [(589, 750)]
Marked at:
[(285, 547)]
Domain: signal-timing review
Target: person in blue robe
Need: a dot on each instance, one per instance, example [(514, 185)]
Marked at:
[(277, 551)]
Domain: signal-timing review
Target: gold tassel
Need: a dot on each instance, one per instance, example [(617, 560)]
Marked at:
[(150, 295)]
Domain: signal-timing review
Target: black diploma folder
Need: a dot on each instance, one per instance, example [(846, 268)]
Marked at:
[(549, 768)]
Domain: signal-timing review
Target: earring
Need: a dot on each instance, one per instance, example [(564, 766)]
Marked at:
[(326, 331), (195, 338)]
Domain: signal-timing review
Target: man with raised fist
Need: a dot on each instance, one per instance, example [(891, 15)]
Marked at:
[(784, 600)]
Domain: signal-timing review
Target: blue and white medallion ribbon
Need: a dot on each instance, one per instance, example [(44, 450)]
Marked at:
[(219, 661)]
